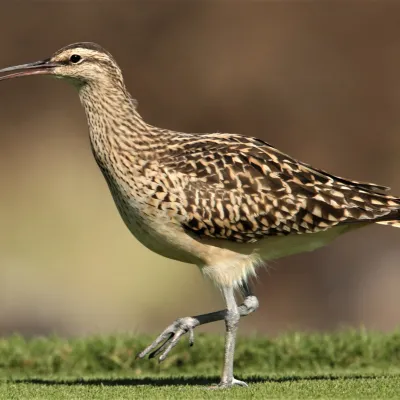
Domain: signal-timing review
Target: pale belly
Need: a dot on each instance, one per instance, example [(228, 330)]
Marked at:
[(151, 227), (154, 232)]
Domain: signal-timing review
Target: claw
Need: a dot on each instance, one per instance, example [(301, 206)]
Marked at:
[(170, 338)]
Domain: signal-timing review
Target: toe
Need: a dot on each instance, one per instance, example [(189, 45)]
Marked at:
[(227, 385), (236, 382)]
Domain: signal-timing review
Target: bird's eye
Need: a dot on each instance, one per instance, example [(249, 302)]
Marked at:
[(75, 58)]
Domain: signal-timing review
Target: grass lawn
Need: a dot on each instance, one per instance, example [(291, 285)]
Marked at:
[(349, 364)]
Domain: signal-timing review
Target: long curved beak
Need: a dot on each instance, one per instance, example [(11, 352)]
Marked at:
[(44, 67)]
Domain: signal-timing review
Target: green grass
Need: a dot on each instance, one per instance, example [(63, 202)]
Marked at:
[(351, 364)]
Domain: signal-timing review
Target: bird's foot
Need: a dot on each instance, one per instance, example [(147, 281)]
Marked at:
[(170, 337), (229, 384)]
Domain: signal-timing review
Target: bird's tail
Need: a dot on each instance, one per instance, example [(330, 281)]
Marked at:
[(391, 219), (395, 224)]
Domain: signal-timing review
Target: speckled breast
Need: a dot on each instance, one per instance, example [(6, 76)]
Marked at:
[(150, 226)]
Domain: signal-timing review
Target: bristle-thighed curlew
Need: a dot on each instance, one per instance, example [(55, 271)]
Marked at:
[(224, 202)]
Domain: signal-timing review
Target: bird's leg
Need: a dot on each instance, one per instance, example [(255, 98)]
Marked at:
[(169, 338), (232, 317)]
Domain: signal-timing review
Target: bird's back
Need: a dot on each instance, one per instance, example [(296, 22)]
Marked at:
[(238, 188)]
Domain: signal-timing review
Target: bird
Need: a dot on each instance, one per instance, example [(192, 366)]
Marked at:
[(225, 202)]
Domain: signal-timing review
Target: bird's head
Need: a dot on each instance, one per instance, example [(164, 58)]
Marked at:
[(79, 63)]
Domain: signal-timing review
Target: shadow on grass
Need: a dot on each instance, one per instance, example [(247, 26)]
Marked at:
[(201, 381)]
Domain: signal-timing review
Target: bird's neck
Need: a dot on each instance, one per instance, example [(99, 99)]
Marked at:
[(113, 120)]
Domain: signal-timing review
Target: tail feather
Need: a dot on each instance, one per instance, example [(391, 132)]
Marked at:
[(395, 224)]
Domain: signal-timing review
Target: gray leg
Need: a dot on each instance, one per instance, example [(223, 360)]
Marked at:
[(232, 318), (170, 337)]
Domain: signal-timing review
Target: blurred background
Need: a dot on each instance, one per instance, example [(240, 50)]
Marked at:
[(319, 80)]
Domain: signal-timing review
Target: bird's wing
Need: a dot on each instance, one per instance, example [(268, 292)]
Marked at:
[(242, 189)]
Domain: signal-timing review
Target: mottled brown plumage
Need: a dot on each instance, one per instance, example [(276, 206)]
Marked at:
[(243, 189), (224, 202)]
